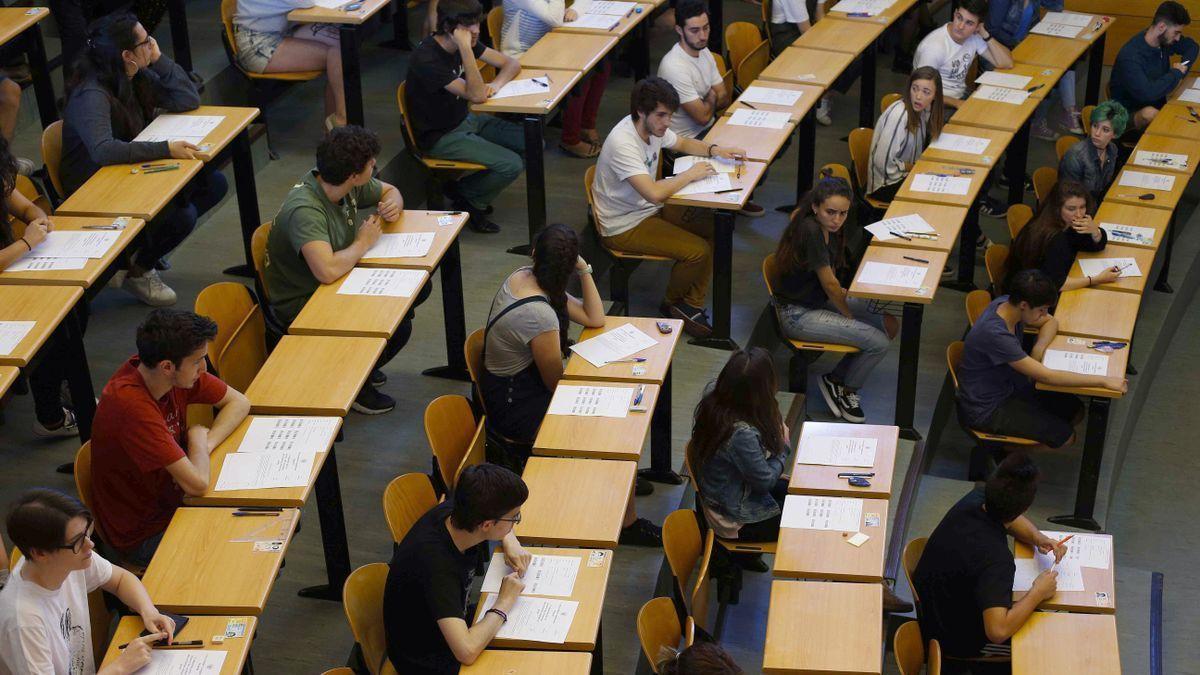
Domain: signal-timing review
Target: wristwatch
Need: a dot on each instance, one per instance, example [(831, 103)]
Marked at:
[(585, 270), (710, 149)]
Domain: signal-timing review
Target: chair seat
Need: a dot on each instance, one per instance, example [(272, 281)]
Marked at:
[(626, 255), (451, 165), (810, 346), (1001, 438), (298, 76), (877, 203), (739, 546)]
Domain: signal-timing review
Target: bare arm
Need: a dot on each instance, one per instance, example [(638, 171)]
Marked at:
[(834, 290), (234, 407), (507, 66), (329, 266), (547, 354), (588, 312), (1000, 624), (1034, 370), (997, 54), (659, 191), (1046, 333), (701, 110), (468, 643)]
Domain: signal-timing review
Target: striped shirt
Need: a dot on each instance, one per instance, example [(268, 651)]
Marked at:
[(893, 146), (526, 21)]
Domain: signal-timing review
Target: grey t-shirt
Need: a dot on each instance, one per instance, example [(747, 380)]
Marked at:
[(508, 351)]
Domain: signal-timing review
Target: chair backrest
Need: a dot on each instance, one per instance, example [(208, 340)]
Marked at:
[(52, 155), (1044, 179), (245, 352), (473, 354), (405, 500), (914, 548), (450, 428), (741, 37), (954, 352), (836, 170), (910, 653), (476, 452), (258, 254), (339, 671), (228, 303), (362, 597), (1018, 217), (977, 301), (1063, 144), (769, 273), (888, 100), (30, 192), (1085, 118), (995, 260), (727, 75), (860, 155), (495, 24), (933, 658), (749, 67), (227, 9), (658, 628), (83, 475), (683, 545), (410, 137)]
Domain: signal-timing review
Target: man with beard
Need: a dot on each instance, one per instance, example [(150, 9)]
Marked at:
[(1142, 76)]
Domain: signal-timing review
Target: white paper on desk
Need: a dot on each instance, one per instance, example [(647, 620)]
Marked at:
[(971, 145), (1070, 577), (838, 451), (75, 244), (260, 470), (190, 128), (11, 334), (184, 662), (713, 183), (330, 4), (868, 7), (29, 263), (888, 274), (720, 164), (1076, 362), (770, 96), (1094, 266), (942, 185), (532, 85), (401, 245), (1055, 29), (1148, 181), (608, 7), (1008, 80), (596, 21), (1001, 94), (912, 222), (1191, 95), (1160, 159), (1086, 550), (618, 343), (760, 119), (546, 575), (309, 435), (535, 619), (590, 401), (806, 512), (1069, 18), (380, 282), (1129, 233)]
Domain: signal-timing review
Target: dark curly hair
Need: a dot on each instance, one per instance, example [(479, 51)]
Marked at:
[(555, 250), (346, 151), (171, 335), (8, 183), (454, 13), (648, 93)]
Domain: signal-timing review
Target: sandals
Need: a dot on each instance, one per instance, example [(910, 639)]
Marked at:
[(582, 150)]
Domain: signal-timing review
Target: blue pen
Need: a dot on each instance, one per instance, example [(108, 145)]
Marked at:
[(637, 398), (858, 14)]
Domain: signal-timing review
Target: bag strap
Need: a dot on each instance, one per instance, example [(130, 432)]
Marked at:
[(519, 303)]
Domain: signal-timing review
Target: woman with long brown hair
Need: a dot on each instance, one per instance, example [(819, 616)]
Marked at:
[(1061, 229), (903, 131)]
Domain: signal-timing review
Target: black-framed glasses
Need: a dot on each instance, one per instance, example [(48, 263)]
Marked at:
[(514, 521), (143, 43), (76, 544)]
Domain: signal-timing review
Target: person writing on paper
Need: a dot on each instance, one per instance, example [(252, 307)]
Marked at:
[(1094, 163), (114, 90), (811, 301), (319, 236), (996, 377), (952, 49), (903, 131), (1060, 231), (145, 457), (443, 80), (1142, 76), (525, 22), (425, 611), (44, 617), (627, 199), (965, 575)]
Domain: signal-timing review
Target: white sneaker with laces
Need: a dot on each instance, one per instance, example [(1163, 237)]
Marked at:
[(149, 289), (69, 427), (851, 405)]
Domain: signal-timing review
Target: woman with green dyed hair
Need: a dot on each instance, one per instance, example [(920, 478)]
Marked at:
[(1093, 162)]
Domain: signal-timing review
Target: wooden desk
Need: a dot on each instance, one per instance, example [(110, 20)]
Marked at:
[(624, 25), (1117, 361), (760, 144), (236, 120), (1039, 75), (820, 627), (827, 555), (541, 103), (328, 312), (850, 37), (658, 358), (575, 502), (1178, 146), (1093, 313), (412, 221), (237, 650), (752, 173), (568, 51), (997, 143), (348, 24), (199, 569), (114, 191), (1046, 50), (895, 256), (92, 270), (807, 66), (978, 112), (1139, 216), (500, 662), (886, 17), (337, 16), (1163, 199), (945, 219), (1067, 644), (8, 375), (1087, 601), (810, 96), (816, 479), (906, 193), (298, 377), (1173, 120), (46, 306), (14, 22), (619, 438), (1143, 256), (590, 587)]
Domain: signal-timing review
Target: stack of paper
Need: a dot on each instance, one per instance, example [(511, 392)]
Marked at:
[(806, 512), (546, 575), (1094, 266), (838, 451), (614, 345), (1148, 181), (190, 128), (770, 96), (289, 434), (999, 79), (888, 274), (706, 185), (533, 85), (407, 245), (761, 119), (1001, 94), (381, 282), (1190, 95), (1132, 234), (941, 184), (184, 662), (1076, 362), (590, 401), (972, 145), (1070, 577), (535, 619), (892, 228), (11, 334), (261, 470)]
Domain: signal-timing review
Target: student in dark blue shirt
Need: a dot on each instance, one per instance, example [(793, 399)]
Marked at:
[(1142, 76)]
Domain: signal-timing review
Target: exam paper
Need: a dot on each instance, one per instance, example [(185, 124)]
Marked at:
[(29, 263), (971, 145), (907, 224), (190, 128), (770, 96), (534, 85), (381, 282), (720, 164), (535, 619), (75, 244), (546, 575), (1160, 159), (11, 334), (289, 434), (1087, 550), (761, 119), (1148, 181), (714, 183), (1056, 29), (259, 470), (1076, 362), (1129, 233), (609, 7), (868, 7), (597, 21), (590, 401), (806, 512), (838, 451), (942, 185), (1070, 577), (1093, 266), (1009, 80), (1069, 18), (184, 662), (1001, 94), (331, 4), (406, 245), (618, 343), (888, 274), (1190, 95)]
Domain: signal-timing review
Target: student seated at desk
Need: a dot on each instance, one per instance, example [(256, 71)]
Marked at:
[(996, 378), (525, 22), (952, 48), (144, 456), (628, 199), (44, 624), (811, 298), (267, 43), (903, 131), (965, 576), (425, 610), (1142, 75), (1093, 162), (443, 80), (115, 88), (701, 658), (1060, 231)]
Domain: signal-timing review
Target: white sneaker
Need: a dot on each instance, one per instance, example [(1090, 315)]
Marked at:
[(824, 109), (150, 289), (25, 166), (68, 428)]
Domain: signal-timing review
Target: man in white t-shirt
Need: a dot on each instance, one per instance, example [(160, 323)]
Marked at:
[(628, 199), (953, 47), (45, 627)]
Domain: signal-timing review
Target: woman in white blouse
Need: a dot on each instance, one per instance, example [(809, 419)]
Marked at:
[(903, 131)]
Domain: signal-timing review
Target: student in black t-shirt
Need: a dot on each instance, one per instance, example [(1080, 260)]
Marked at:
[(965, 576), (443, 79), (1061, 230), (425, 599)]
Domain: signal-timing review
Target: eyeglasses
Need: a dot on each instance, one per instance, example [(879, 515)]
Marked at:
[(143, 43), (514, 521), (76, 544)]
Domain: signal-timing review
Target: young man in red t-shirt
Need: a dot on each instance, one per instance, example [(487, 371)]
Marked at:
[(144, 458)]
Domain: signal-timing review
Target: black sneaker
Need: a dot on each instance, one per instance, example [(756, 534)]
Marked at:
[(832, 392), (377, 378), (480, 223), (371, 402), (695, 320), (641, 533), (643, 487), (851, 404), (992, 208)]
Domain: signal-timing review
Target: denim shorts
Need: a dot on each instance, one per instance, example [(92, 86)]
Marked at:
[(255, 48)]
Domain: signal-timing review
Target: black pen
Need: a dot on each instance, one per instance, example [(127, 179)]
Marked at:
[(254, 513), (721, 192), (898, 234), (920, 260), (173, 645), (275, 509), (1035, 87), (749, 106), (848, 474)]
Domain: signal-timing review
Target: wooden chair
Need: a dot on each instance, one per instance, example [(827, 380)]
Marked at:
[(659, 630), (752, 64), (995, 261), (495, 25), (476, 453), (339, 671), (954, 354), (405, 500), (908, 560), (362, 597), (860, 163), (473, 353), (1085, 118), (440, 170), (83, 487), (52, 156), (727, 76), (977, 301), (741, 37), (226, 303), (888, 100), (689, 552), (623, 263), (1044, 179), (258, 254), (451, 429), (1063, 144), (835, 170), (245, 352), (1018, 217), (28, 190), (910, 651)]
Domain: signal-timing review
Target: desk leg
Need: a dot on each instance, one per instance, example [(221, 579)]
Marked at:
[(79, 376), (333, 533), (906, 376), (1016, 164), (450, 270), (716, 22), (400, 39), (1089, 468), (351, 75), (43, 88), (660, 470), (1161, 283), (598, 650), (180, 40), (1091, 93), (722, 286), (866, 83), (247, 197), (965, 280), (535, 181)]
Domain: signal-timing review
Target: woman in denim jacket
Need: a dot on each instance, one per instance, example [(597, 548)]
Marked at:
[(1093, 162)]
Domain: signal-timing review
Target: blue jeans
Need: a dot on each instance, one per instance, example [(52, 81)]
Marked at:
[(488, 140), (827, 324)]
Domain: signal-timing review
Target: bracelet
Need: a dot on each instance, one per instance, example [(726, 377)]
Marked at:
[(710, 149), (502, 615), (23, 241), (1089, 281)]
